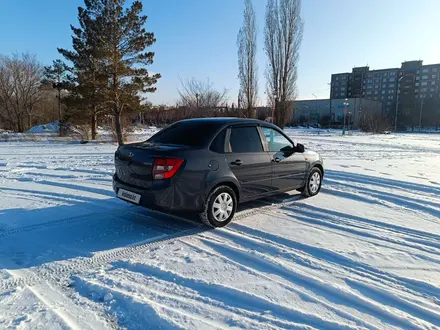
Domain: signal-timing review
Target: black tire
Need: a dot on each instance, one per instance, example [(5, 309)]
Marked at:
[(208, 217), (308, 190)]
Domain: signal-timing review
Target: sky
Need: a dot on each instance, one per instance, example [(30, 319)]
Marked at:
[(197, 38)]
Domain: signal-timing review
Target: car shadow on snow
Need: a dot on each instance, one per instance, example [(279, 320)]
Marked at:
[(83, 226), (80, 228)]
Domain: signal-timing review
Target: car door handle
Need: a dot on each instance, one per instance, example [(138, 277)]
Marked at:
[(277, 160), (238, 162)]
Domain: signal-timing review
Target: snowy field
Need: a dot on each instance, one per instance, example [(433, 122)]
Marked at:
[(364, 253)]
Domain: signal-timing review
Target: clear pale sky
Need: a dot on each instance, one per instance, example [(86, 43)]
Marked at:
[(197, 38)]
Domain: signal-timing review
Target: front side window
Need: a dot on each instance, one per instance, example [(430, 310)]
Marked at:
[(245, 139), (275, 140)]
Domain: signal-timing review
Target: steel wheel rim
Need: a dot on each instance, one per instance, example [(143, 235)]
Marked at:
[(222, 207), (314, 182)]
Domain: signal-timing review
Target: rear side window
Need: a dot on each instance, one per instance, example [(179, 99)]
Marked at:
[(192, 134), (218, 145), (245, 139)]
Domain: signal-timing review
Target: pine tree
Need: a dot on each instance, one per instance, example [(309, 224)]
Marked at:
[(125, 42), (109, 59), (86, 96)]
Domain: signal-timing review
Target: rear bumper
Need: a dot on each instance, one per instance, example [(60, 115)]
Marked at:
[(165, 195)]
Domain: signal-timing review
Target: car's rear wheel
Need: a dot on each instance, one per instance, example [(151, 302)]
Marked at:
[(220, 207), (313, 184)]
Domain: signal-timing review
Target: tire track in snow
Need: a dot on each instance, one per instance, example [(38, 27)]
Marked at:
[(324, 257), (237, 298), (60, 272), (173, 297), (325, 289), (349, 228), (301, 292), (261, 244)]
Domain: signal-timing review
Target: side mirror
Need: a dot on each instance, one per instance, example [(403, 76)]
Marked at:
[(300, 147)]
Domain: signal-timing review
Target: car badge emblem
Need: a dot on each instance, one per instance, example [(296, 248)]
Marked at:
[(131, 154)]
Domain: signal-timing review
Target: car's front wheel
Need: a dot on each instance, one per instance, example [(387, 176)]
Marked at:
[(313, 184), (220, 207)]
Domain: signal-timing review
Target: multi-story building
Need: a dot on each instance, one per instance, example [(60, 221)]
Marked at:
[(413, 80)]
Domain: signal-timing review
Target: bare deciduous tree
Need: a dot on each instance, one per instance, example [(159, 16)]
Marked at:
[(20, 77), (283, 36), (247, 65), (196, 94)]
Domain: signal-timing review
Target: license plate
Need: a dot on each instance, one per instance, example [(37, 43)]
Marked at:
[(129, 196)]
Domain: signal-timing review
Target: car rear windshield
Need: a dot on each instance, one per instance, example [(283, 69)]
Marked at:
[(193, 134)]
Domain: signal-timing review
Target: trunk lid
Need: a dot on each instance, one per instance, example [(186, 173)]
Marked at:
[(134, 162)]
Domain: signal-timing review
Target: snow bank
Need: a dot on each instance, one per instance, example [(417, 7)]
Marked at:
[(45, 128)]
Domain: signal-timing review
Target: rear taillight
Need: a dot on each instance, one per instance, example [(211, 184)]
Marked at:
[(165, 168)]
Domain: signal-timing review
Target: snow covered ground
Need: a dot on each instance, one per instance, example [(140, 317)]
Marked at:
[(364, 253)]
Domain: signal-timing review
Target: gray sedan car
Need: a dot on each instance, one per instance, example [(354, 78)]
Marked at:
[(209, 165)]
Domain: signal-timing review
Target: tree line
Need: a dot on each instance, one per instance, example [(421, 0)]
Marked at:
[(105, 72)]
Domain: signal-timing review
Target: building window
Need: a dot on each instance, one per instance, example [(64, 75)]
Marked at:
[(369, 93), (416, 90), (392, 74), (434, 69), (426, 70), (376, 86), (375, 98), (423, 90), (432, 82), (369, 75), (385, 80), (376, 92), (434, 76), (337, 78), (385, 74), (432, 89), (417, 84), (369, 86), (370, 81), (377, 81), (424, 83), (383, 92), (391, 86), (424, 77)]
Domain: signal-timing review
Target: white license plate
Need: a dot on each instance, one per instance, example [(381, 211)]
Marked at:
[(129, 196)]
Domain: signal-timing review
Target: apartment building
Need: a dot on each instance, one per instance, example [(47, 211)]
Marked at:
[(413, 80)]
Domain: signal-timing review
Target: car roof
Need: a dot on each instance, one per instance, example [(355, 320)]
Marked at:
[(221, 121)]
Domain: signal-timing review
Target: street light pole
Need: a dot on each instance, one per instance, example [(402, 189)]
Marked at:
[(274, 106), (421, 111), (397, 103), (316, 104), (345, 111)]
